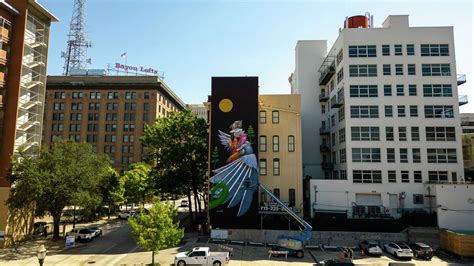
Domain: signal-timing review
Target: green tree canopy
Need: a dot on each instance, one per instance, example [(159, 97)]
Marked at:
[(67, 173), (156, 230), (112, 189), (138, 184), (177, 150)]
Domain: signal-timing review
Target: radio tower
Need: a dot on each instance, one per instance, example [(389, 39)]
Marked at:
[(75, 56)]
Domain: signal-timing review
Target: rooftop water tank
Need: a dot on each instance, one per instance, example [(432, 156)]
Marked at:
[(357, 22)]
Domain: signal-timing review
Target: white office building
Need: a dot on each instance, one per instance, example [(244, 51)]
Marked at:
[(380, 116)]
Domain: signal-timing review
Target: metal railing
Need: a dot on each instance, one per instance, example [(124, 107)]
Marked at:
[(461, 79)]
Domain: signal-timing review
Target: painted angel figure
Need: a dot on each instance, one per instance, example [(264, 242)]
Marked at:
[(236, 181)]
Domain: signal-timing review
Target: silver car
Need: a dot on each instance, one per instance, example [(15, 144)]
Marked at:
[(370, 248)]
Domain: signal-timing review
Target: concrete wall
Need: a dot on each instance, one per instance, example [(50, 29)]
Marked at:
[(455, 206)]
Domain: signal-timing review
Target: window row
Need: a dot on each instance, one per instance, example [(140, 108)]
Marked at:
[(373, 155), (429, 90), (97, 95), (275, 168), (426, 70), (263, 117), (276, 143)]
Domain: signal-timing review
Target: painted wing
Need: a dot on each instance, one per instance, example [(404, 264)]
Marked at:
[(224, 138), (241, 179)]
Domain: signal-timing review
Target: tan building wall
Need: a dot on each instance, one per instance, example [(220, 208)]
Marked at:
[(108, 112), (285, 129)]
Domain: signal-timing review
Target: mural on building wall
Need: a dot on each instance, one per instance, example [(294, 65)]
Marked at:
[(236, 181)]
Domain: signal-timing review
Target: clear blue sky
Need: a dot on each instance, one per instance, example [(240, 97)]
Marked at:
[(191, 41)]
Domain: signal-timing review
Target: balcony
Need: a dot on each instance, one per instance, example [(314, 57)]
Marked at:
[(370, 211), (327, 70), (462, 99), (326, 165), (461, 78), (3, 57), (324, 131), (323, 97), (324, 147), (337, 102), (4, 34)]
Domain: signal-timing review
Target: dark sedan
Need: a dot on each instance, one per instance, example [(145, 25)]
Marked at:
[(421, 250)]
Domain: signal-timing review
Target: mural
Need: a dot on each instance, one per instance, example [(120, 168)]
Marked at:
[(237, 180)]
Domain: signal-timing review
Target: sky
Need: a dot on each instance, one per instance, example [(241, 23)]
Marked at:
[(191, 41)]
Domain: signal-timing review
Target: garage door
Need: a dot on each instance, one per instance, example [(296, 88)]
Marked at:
[(369, 199)]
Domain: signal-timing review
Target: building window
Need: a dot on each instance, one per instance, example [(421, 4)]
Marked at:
[(390, 155), (291, 197), (129, 117), (440, 134), (128, 127), (291, 143), (405, 177), (442, 156), (363, 91), (389, 135), (91, 138), (386, 70), (58, 106), (341, 114), (362, 51), (76, 117), (76, 106), (94, 95), (388, 111), (276, 166), (387, 90), (392, 176), (403, 155), (413, 111), (363, 70), (112, 106), (276, 143), (130, 95), (437, 90), (342, 155), (398, 69), (263, 143), (366, 155), (398, 49), (411, 69), (436, 70), (130, 106), (417, 176), (342, 135), (365, 111), (417, 199), (112, 95), (385, 50), (77, 95), (402, 133), (276, 192), (434, 50), (439, 111), (263, 167), (340, 75), (340, 56), (263, 117), (412, 89), (59, 95), (400, 90), (275, 117), (111, 117), (438, 176), (401, 111), (410, 49), (145, 117), (146, 106), (415, 134), (416, 155), (365, 133), (146, 95), (367, 176)]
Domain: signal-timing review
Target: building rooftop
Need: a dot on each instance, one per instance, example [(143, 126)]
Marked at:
[(119, 82)]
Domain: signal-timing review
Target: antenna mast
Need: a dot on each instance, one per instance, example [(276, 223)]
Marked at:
[(75, 56)]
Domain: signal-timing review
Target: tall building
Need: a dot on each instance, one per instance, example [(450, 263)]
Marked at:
[(199, 109), (380, 116), (108, 112), (24, 33), (467, 126)]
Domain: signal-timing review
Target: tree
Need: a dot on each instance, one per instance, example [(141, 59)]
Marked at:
[(156, 230), (214, 157), (251, 133), (66, 174), (113, 189), (177, 150), (137, 183)]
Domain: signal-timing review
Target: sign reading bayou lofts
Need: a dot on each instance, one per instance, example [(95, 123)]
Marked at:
[(136, 68)]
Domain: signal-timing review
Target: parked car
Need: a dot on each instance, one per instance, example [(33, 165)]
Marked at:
[(126, 214), (96, 230), (184, 203), (370, 248), (81, 234), (399, 250), (421, 250), (201, 256)]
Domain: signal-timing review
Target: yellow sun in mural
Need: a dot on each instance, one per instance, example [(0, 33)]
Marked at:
[(226, 105)]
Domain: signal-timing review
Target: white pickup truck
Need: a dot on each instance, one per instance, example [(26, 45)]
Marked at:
[(201, 256)]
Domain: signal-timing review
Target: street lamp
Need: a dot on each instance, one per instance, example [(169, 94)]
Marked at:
[(41, 254)]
